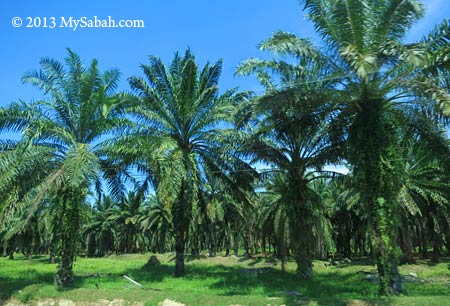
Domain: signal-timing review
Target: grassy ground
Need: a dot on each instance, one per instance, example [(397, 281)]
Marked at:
[(216, 281)]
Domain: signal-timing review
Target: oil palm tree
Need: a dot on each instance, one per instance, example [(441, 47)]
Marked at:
[(156, 223), (125, 219), (182, 123), (424, 193), (273, 213), (291, 132), (99, 232), (64, 133), (365, 40)]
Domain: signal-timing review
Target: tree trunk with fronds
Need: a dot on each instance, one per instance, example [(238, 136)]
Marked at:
[(70, 226), (302, 251), (179, 252), (181, 212), (301, 221), (374, 146), (385, 247)]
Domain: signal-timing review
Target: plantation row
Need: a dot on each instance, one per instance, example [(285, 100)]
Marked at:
[(235, 172)]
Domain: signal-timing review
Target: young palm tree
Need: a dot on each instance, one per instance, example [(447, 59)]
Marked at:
[(273, 213), (125, 219), (291, 132), (424, 194), (182, 121), (156, 224), (67, 129), (100, 232)]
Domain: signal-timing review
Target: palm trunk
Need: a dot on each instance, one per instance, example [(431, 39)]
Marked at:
[(281, 243), (347, 236), (436, 249), (374, 142), (301, 222), (390, 279), (52, 258), (385, 245), (263, 243), (181, 212), (304, 265), (362, 250), (179, 253), (256, 245), (302, 249), (227, 240), (235, 238), (11, 247), (64, 276), (423, 243), (162, 241), (406, 245), (246, 244), (212, 240), (447, 242), (69, 238), (385, 234)]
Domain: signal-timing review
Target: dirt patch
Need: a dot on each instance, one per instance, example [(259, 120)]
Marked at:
[(64, 302), (168, 302)]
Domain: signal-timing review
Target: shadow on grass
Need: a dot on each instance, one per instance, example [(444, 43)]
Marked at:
[(255, 261), (329, 288), (10, 285), (430, 262), (365, 261), (332, 287), (325, 289), (46, 260), (190, 258)]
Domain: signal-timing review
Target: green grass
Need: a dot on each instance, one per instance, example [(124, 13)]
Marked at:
[(216, 281)]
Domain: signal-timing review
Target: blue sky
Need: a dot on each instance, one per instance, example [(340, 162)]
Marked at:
[(212, 29)]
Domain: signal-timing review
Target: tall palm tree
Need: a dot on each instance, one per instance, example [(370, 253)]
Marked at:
[(182, 121), (64, 133), (291, 132), (364, 39)]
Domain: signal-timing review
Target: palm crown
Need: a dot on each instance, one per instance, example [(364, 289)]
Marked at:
[(182, 122)]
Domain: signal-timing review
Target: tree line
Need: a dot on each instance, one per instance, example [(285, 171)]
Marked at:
[(236, 172)]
